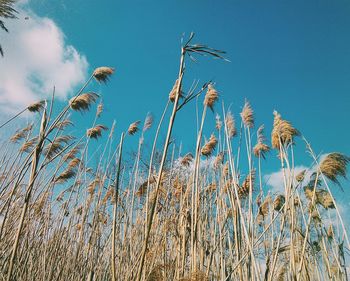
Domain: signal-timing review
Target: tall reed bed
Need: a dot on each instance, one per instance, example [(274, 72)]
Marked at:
[(166, 214)]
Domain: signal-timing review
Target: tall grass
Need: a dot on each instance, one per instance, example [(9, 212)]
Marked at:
[(166, 214)]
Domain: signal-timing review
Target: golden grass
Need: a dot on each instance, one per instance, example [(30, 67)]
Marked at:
[(74, 209)]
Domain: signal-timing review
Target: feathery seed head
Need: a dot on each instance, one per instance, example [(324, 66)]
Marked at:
[(283, 132), (172, 94), (83, 102), (28, 145), (187, 159), (334, 165), (211, 97), (96, 131), (209, 146), (278, 203), (218, 122), (37, 106), (103, 73), (133, 128), (300, 177), (230, 124), (261, 148), (99, 110), (247, 115), (148, 122)]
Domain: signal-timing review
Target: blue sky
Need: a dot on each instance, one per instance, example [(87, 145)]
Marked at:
[(292, 56)]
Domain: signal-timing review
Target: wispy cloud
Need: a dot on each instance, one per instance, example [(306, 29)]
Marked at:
[(275, 180), (37, 58)]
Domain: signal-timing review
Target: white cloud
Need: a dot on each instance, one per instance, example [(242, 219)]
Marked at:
[(36, 59), (276, 180)]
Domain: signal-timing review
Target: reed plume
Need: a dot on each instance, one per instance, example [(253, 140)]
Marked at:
[(209, 146), (133, 128), (334, 165), (83, 102), (230, 124), (37, 106), (260, 149), (102, 74), (187, 159), (218, 122), (211, 97), (96, 132), (283, 132), (247, 115)]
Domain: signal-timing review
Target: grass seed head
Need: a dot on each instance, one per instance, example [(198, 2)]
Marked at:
[(247, 115), (209, 146), (65, 175), (99, 110), (218, 122), (172, 94), (83, 102), (211, 97), (96, 132), (148, 122), (102, 74), (260, 149), (133, 128), (230, 125), (279, 202), (187, 159), (300, 177), (334, 165), (28, 145), (283, 132), (21, 134), (37, 106), (247, 185)]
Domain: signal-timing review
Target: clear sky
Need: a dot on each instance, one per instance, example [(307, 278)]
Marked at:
[(292, 56)]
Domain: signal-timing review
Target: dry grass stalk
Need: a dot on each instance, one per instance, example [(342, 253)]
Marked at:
[(162, 225)]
